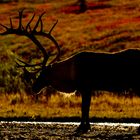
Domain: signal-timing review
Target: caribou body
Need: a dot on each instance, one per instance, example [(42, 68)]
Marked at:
[(97, 71), (84, 72), (87, 71)]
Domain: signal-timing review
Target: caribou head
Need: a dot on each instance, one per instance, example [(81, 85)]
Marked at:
[(39, 83), (74, 73), (31, 32)]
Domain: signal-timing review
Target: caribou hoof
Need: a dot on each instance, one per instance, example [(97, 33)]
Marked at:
[(83, 128)]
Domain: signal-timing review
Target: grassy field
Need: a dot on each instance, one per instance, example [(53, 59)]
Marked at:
[(61, 107), (107, 26)]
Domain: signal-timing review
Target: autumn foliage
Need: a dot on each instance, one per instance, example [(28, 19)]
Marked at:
[(106, 26)]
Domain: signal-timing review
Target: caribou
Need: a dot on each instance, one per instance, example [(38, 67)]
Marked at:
[(83, 72)]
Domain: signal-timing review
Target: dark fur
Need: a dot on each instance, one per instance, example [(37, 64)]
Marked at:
[(87, 71)]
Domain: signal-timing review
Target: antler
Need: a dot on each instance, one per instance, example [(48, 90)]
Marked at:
[(30, 33)]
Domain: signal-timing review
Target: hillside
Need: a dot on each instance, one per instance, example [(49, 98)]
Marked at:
[(106, 26)]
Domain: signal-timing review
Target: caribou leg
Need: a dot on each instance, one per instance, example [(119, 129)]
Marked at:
[(86, 99)]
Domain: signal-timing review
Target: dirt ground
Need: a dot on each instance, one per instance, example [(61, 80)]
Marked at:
[(66, 132)]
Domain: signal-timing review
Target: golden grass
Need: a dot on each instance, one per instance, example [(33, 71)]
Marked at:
[(103, 106), (111, 106)]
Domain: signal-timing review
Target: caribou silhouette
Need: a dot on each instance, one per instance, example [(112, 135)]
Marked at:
[(84, 71)]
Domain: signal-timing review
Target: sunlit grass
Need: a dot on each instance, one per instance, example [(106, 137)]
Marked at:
[(102, 106), (111, 106)]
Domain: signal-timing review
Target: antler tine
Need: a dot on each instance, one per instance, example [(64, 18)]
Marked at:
[(8, 30), (19, 65), (56, 44), (26, 64), (39, 20), (41, 25), (28, 24), (31, 34), (11, 23), (5, 28), (49, 36), (20, 27), (53, 27)]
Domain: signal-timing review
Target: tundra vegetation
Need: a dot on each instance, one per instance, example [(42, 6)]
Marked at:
[(106, 26)]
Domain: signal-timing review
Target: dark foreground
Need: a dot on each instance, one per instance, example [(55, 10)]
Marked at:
[(58, 131)]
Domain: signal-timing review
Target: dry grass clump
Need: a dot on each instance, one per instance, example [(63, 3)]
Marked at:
[(102, 106), (115, 106)]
